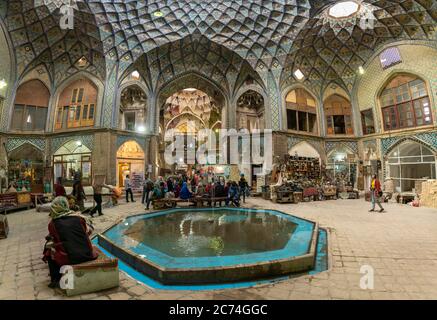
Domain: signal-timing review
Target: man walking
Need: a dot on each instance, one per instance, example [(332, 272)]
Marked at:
[(128, 188)]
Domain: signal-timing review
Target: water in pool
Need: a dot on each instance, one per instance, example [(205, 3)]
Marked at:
[(218, 233)]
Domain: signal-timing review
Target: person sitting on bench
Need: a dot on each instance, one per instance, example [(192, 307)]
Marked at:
[(233, 195), (185, 193), (219, 192), (68, 241)]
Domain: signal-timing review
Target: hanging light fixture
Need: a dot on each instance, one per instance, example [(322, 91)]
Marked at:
[(3, 84)]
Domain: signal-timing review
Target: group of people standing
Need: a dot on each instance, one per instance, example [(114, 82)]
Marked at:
[(185, 188)]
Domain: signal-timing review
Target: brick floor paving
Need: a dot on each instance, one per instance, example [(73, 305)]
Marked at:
[(400, 245)]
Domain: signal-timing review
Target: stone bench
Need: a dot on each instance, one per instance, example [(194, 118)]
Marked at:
[(96, 275)]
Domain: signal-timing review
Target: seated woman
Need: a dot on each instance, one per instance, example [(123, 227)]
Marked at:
[(233, 195), (185, 193), (68, 241), (59, 188)]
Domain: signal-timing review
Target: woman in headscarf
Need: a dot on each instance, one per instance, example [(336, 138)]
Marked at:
[(68, 241), (185, 193)]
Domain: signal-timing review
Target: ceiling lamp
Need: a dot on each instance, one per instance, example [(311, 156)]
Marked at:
[(136, 75), (361, 70), (344, 9), (3, 84), (158, 14), (298, 74), (190, 89), (82, 63)]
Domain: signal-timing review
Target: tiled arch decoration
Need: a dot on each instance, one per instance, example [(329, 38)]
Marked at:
[(87, 140), (332, 145), (14, 143), (317, 144), (428, 139)]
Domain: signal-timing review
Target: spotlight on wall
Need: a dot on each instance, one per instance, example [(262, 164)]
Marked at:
[(3, 84), (298, 74), (361, 70), (141, 128), (136, 75), (79, 143)]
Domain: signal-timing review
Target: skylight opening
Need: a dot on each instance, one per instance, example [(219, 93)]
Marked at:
[(344, 9)]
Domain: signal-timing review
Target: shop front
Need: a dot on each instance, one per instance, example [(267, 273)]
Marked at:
[(131, 161), (72, 161), (26, 168)]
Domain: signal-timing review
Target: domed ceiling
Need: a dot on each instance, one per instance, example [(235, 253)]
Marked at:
[(287, 34)]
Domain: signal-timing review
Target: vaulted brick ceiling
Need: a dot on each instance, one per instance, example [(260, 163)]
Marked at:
[(283, 33)]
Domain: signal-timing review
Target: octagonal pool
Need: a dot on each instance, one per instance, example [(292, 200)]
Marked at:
[(205, 246)]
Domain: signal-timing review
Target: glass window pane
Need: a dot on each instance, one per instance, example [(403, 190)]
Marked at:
[(74, 96), (402, 94), (302, 121), (85, 112), (17, 117), (40, 118), (406, 117), (312, 123), (78, 113), (387, 98), (418, 89), (91, 114), (80, 96), (291, 120), (29, 118)]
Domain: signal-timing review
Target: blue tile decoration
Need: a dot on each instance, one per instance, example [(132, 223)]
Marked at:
[(14, 143), (429, 139), (350, 145), (122, 139), (87, 140)]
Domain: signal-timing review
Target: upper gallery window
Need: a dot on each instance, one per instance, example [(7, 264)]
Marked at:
[(30, 107), (405, 103), (301, 111), (367, 121), (338, 112), (343, 9), (77, 105)]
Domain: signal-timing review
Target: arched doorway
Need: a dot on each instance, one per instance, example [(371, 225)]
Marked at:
[(130, 161), (184, 114), (26, 168), (338, 114), (409, 162), (72, 161), (341, 165)]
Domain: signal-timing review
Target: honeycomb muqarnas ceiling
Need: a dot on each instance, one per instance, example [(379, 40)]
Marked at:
[(298, 33), (329, 49), (38, 39)]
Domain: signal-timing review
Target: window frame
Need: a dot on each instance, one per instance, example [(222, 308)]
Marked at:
[(394, 109), (299, 108)]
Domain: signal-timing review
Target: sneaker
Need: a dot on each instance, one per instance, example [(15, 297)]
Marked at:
[(381, 210), (100, 214), (53, 285), (371, 210)]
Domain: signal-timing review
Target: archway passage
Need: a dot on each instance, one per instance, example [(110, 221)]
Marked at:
[(130, 161), (183, 115), (341, 166), (410, 163), (250, 111), (72, 161), (304, 149), (133, 109), (26, 168)]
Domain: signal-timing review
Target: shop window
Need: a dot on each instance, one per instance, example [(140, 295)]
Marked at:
[(77, 105), (30, 107), (408, 163), (338, 112), (367, 122), (405, 103), (71, 161), (301, 111)]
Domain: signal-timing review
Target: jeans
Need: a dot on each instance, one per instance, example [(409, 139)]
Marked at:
[(375, 200), (98, 207), (129, 191)]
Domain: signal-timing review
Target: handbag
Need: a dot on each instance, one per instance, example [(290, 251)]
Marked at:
[(380, 193)]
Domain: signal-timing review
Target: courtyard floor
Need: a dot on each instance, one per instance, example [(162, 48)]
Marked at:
[(400, 245)]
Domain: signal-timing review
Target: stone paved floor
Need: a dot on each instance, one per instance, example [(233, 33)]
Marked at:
[(401, 246)]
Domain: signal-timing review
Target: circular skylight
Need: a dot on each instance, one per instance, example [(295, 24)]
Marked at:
[(343, 9)]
